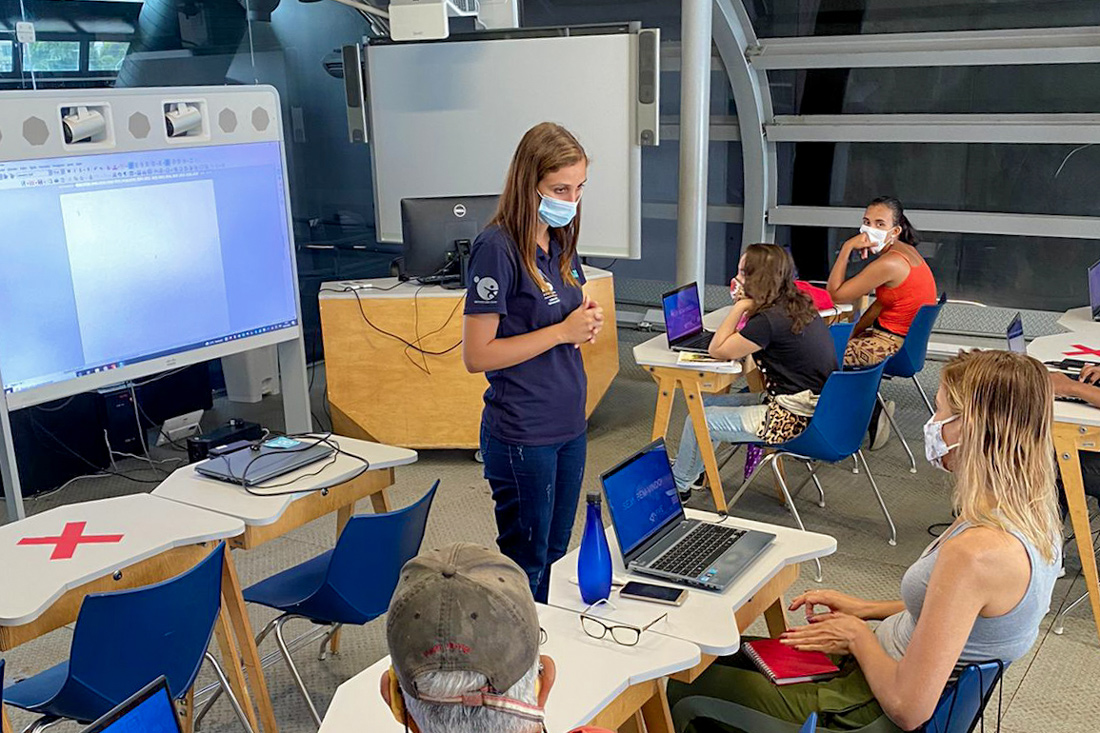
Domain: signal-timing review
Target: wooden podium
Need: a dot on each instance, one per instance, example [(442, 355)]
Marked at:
[(383, 390)]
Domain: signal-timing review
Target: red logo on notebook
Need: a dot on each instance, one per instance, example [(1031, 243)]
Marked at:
[(1084, 351), (66, 543)]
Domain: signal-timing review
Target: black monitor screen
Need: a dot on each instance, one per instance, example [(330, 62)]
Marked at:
[(431, 226)]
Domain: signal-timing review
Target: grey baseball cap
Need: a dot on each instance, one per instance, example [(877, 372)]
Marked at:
[(462, 608)]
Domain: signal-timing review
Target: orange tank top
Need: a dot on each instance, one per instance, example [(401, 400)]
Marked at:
[(901, 303)]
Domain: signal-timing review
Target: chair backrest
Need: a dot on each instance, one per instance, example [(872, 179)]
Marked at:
[(962, 703), (367, 561), (840, 332), (910, 358), (842, 416), (810, 725), (126, 638)]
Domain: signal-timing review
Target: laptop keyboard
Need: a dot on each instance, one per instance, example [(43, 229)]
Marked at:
[(697, 551)]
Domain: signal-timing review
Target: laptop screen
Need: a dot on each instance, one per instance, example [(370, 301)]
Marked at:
[(1094, 290), (148, 711), (1015, 335), (683, 315), (642, 496)]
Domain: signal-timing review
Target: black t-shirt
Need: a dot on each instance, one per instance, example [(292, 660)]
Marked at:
[(540, 401), (791, 362)]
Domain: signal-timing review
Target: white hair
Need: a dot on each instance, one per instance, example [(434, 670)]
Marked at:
[(433, 718)]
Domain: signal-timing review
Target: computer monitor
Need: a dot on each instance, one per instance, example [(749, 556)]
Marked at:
[(118, 265), (147, 711), (642, 496), (683, 312), (431, 226), (1015, 335), (1094, 290)]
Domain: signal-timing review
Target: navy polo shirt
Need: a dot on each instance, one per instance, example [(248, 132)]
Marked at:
[(542, 400)]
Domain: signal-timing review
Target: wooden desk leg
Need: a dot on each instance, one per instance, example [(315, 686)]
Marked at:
[(702, 436), (5, 724), (233, 602), (187, 711), (231, 661), (666, 395), (380, 502), (343, 516), (1069, 463), (775, 616), (656, 714)]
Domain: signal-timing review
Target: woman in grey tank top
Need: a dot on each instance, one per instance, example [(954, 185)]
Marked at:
[(977, 593)]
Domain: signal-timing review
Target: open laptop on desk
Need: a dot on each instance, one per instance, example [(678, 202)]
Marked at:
[(684, 320), (1094, 290), (148, 711), (1014, 334), (655, 536)]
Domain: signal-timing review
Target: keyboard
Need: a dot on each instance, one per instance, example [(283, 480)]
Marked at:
[(701, 341), (698, 550)]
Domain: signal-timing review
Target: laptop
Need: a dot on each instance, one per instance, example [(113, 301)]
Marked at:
[(657, 539), (1014, 334), (148, 711), (264, 461), (684, 320), (1094, 290)]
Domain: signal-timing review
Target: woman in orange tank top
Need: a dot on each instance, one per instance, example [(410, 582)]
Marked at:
[(899, 276)]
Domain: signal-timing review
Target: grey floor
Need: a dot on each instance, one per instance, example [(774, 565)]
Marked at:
[(1053, 688)]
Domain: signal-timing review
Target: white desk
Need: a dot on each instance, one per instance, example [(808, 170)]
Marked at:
[(695, 381), (50, 561), (188, 487), (1076, 429), (592, 676), (1080, 321), (711, 621)]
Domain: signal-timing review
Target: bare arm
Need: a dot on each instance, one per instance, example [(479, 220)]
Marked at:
[(1083, 388), (880, 272), (727, 343), (483, 351), (843, 603), (867, 319)]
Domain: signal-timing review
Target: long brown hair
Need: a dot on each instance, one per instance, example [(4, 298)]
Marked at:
[(1004, 475), (545, 148), (769, 281)]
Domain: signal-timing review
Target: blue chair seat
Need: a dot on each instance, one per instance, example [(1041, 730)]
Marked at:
[(291, 590)]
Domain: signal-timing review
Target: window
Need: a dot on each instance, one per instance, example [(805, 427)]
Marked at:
[(5, 57), (46, 56), (106, 55)]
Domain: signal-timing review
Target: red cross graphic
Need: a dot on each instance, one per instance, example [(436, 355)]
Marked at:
[(1084, 351), (66, 543)]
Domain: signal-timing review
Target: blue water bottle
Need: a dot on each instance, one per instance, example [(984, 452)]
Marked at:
[(594, 562)]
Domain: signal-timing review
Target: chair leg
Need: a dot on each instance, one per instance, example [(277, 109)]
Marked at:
[(281, 641), (218, 692), (855, 465), (882, 504), (768, 458), (931, 410), (46, 721), (817, 483), (894, 427), (323, 652), (233, 701), (790, 503), (1060, 621)]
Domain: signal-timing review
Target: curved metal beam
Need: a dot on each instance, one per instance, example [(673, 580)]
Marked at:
[(734, 36)]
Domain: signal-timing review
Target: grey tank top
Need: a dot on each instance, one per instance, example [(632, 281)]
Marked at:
[(1007, 637)]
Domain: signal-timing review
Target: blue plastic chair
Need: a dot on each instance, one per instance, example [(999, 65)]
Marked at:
[(909, 361), (958, 710), (835, 433), (841, 332), (124, 640), (350, 584)]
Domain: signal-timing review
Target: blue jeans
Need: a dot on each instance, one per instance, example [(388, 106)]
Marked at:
[(536, 489), (730, 419)]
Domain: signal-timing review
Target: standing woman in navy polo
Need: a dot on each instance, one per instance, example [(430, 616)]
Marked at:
[(525, 320)]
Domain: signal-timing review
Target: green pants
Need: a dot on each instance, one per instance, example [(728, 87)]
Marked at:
[(844, 702)]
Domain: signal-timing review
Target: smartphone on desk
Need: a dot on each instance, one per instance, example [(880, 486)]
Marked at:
[(654, 593)]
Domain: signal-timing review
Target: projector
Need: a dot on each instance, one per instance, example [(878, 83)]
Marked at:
[(423, 20)]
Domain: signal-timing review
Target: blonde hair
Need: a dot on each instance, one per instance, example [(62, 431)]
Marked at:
[(545, 148), (1004, 470)]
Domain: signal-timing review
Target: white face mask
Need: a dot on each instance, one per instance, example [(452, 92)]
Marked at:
[(878, 236), (935, 447)]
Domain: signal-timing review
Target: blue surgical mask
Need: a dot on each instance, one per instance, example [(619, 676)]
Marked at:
[(555, 212), (935, 447)]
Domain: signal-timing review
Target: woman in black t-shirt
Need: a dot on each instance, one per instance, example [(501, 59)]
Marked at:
[(777, 324)]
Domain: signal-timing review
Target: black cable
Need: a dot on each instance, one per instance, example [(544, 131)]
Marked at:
[(160, 429), (38, 426), (394, 336), (325, 439)]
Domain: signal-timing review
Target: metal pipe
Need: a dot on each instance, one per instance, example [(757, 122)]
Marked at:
[(691, 230)]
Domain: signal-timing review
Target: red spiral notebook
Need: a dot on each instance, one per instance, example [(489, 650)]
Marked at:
[(784, 665)]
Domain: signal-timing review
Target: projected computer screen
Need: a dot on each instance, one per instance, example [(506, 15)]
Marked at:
[(114, 259)]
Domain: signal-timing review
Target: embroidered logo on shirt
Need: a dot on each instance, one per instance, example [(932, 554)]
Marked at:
[(551, 295), (487, 289)]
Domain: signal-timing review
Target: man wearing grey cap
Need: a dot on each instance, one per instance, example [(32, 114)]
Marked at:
[(463, 634)]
